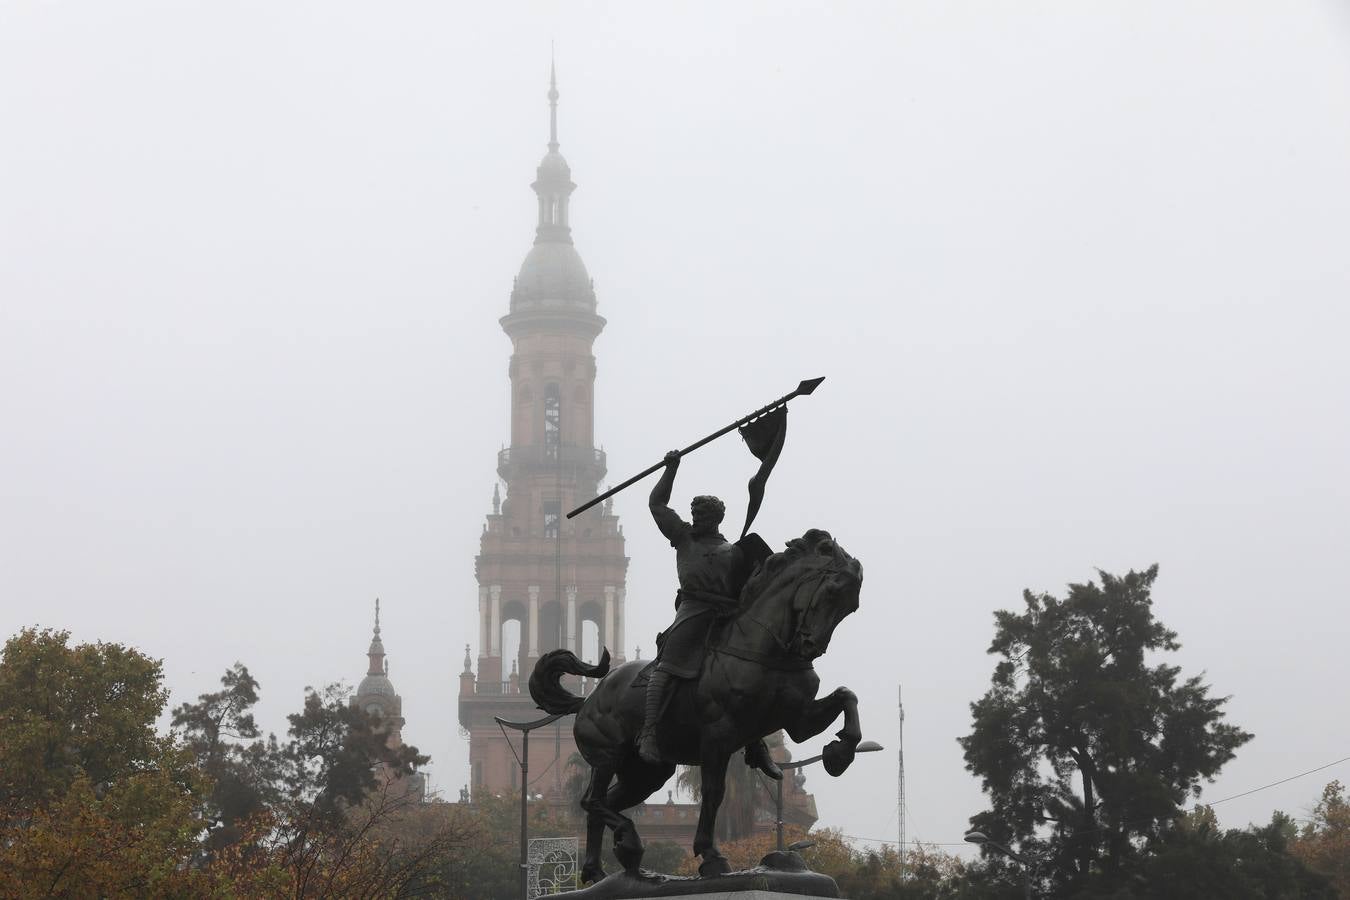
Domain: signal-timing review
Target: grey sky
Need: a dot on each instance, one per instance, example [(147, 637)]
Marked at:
[(1077, 274)]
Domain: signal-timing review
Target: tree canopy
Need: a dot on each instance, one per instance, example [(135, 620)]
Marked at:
[(1088, 742)]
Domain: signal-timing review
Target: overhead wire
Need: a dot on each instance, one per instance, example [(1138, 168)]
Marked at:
[(1255, 790)]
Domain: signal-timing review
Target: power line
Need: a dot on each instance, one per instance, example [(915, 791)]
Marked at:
[(1276, 783), (854, 837)]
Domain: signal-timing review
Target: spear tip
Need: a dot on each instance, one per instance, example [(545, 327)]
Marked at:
[(809, 385)]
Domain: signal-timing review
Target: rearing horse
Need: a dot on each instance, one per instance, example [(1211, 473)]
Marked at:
[(757, 677)]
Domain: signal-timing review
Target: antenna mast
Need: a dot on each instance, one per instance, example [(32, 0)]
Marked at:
[(900, 798)]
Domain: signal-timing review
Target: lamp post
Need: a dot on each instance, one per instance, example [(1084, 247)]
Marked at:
[(864, 747), (1028, 863), (524, 759)]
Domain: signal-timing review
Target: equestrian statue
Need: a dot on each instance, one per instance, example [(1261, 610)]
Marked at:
[(734, 666)]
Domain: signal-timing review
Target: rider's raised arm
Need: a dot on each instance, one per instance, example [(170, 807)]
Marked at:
[(669, 521)]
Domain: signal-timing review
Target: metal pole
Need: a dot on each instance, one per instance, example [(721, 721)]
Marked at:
[(524, 796), (524, 759), (780, 812)]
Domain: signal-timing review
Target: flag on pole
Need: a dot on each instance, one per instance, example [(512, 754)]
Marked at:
[(764, 436)]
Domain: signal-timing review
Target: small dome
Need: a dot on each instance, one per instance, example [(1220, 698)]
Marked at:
[(553, 271), (375, 684), (553, 162)]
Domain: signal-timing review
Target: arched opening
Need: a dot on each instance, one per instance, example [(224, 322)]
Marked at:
[(590, 641), (513, 634), (591, 634), (552, 421)]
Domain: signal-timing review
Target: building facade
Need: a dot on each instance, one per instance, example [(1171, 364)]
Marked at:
[(544, 581)]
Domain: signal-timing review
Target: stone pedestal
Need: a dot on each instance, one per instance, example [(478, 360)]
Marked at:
[(780, 876), (749, 895)]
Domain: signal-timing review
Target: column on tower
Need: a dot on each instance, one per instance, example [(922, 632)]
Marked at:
[(608, 633), (619, 652), (534, 622), (495, 592), (484, 617), (572, 617)]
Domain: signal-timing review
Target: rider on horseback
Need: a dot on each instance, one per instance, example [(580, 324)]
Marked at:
[(711, 571)]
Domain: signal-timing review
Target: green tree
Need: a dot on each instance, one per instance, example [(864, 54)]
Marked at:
[(221, 732), (1193, 859), (1085, 749), (87, 710), (330, 760)]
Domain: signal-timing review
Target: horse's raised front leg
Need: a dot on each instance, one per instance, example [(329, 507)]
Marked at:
[(819, 714), (713, 770)]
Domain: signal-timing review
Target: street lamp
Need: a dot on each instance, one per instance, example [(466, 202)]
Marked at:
[(864, 747), (524, 759), (1028, 863)]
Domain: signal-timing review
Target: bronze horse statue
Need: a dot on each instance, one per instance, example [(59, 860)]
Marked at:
[(757, 677)]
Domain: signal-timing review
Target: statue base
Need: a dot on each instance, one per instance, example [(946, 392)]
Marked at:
[(781, 875)]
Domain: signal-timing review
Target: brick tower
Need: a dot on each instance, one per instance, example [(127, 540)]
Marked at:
[(544, 581)]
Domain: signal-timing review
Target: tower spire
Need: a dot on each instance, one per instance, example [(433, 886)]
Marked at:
[(552, 104), (376, 651)]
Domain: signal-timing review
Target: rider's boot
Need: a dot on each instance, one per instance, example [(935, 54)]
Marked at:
[(757, 757), (657, 689)]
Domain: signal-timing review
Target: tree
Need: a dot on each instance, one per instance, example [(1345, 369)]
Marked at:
[(1324, 843), (92, 801), (220, 731), (334, 748), (69, 711), (1193, 859), (1085, 749)]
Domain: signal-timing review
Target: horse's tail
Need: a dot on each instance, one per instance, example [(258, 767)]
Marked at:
[(545, 688)]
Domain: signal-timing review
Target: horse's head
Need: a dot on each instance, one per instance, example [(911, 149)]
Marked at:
[(806, 591)]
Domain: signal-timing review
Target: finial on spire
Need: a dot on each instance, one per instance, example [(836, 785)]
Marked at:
[(468, 666), (376, 651), (552, 102)]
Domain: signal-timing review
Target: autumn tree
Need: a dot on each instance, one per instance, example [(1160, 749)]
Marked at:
[(92, 801), (1324, 843), (1086, 746)]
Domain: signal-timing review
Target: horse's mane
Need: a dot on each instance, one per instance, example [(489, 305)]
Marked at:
[(814, 543)]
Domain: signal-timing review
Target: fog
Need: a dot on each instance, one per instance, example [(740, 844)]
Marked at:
[(1076, 274)]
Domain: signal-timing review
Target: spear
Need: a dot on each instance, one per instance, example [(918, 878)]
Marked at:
[(803, 389)]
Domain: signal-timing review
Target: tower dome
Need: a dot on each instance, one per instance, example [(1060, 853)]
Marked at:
[(553, 274), (552, 277), (376, 692)]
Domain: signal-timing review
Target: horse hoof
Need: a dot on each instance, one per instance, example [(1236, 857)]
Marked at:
[(592, 873), (713, 866), (838, 757), (628, 848)]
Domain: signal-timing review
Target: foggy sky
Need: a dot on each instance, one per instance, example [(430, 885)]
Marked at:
[(1077, 275)]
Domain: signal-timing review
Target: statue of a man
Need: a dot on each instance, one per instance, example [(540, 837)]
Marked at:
[(711, 571)]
